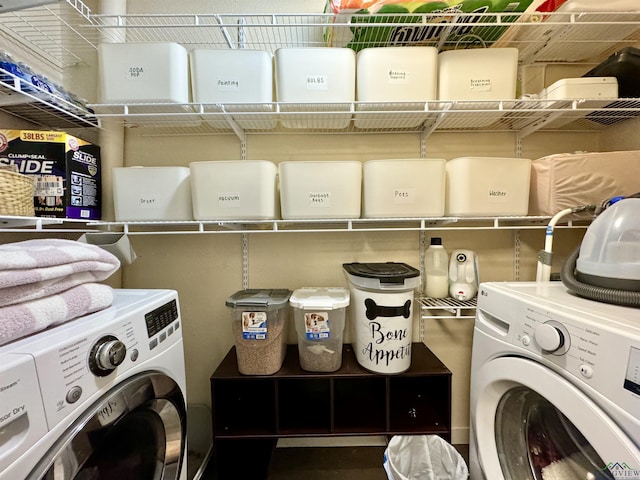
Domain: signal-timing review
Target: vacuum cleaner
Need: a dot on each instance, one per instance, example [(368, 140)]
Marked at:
[(606, 266)]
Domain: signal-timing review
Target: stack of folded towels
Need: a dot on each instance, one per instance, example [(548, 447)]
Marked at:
[(51, 281)]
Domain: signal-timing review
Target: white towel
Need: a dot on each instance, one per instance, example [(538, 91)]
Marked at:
[(39, 268), (26, 318)]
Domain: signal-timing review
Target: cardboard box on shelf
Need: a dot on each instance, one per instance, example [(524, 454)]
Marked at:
[(66, 169)]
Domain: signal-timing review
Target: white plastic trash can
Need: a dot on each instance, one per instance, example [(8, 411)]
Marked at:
[(423, 457), (382, 297)]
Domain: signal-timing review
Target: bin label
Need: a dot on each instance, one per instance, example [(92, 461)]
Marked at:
[(254, 325), (316, 325)]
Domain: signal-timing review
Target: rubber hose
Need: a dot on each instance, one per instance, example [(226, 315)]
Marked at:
[(600, 294)]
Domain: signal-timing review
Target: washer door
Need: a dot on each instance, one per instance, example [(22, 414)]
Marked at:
[(530, 423), (136, 431)]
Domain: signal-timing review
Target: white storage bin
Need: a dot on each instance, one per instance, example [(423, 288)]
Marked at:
[(143, 73), (478, 186), (479, 78), (322, 189), (234, 76), (584, 87), (151, 193), (319, 315), (403, 188), (395, 74), (234, 189), (319, 79)]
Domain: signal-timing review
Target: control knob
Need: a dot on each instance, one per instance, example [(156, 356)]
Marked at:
[(105, 355), (552, 337)]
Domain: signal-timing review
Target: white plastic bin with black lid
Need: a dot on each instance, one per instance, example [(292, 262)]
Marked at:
[(259, 324), (382, 297), (319, 314)]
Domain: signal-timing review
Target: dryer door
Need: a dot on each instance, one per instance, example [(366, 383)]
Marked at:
[(532, 424), (136, 431)]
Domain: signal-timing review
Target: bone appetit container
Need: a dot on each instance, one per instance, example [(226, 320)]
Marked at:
[(381, 314)]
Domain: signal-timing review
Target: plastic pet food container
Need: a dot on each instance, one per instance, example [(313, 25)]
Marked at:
[(382, 298), (144, 72), (259, 323), (403, 188), (234, 189), (152, 193), (239, 76), (399, 75), (479, 186), (320, 189), (318, 79), (319, 315)]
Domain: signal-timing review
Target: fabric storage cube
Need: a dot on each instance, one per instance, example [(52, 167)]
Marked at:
[(479, 78), (567, 180), (317, 79), (239, 76), (403, 188), (234, 189), (143, 72), (395, 74), (259, 322), (320, 189), (478, 186), (152, 193), (319, 315)]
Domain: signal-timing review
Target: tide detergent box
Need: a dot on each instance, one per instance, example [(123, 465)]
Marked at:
[(66, 171)]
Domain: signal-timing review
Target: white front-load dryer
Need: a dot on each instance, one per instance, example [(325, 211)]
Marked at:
[(555, 386), (100, 397)]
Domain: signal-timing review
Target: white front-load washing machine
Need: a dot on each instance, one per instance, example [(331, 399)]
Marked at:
[(555, 386), (100, 397)]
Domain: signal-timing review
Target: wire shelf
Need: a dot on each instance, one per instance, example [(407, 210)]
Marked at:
[(447, 307)]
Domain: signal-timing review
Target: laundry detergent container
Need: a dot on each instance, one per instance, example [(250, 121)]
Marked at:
[(487, 186), (381, 314), (403, 188), (320, 189), (152, 194), (153, 72), (319, 315), (234, 189), (259, 322), (321, 80)]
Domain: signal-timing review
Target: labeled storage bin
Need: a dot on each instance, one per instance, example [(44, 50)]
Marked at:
[(478, 186), (234, 76), (402, 75), (259, 322), (144, 72), (319, 315), (403, 188), (382, 298), (568, 180), (152, 193), (320, 189), (318, 79), (234, 189)]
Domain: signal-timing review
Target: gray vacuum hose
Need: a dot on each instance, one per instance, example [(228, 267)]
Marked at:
[(600, 294)]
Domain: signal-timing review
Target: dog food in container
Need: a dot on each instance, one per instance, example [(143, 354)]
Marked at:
[(403, 188), (382, 298), (259, 323), (320, 189), (319, 314), (152, 193), (153, 72), (487, 186), (234, 189), (317, 79)]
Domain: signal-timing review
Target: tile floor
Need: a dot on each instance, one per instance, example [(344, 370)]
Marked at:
[(321, 463)]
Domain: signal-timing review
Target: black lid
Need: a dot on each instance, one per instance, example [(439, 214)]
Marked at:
[(387, 272), (436, 241)]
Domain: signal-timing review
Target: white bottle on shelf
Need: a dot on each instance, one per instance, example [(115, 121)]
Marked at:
[(436, 265)]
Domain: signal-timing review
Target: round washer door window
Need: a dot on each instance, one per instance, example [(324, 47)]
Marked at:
[(135, 432)]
